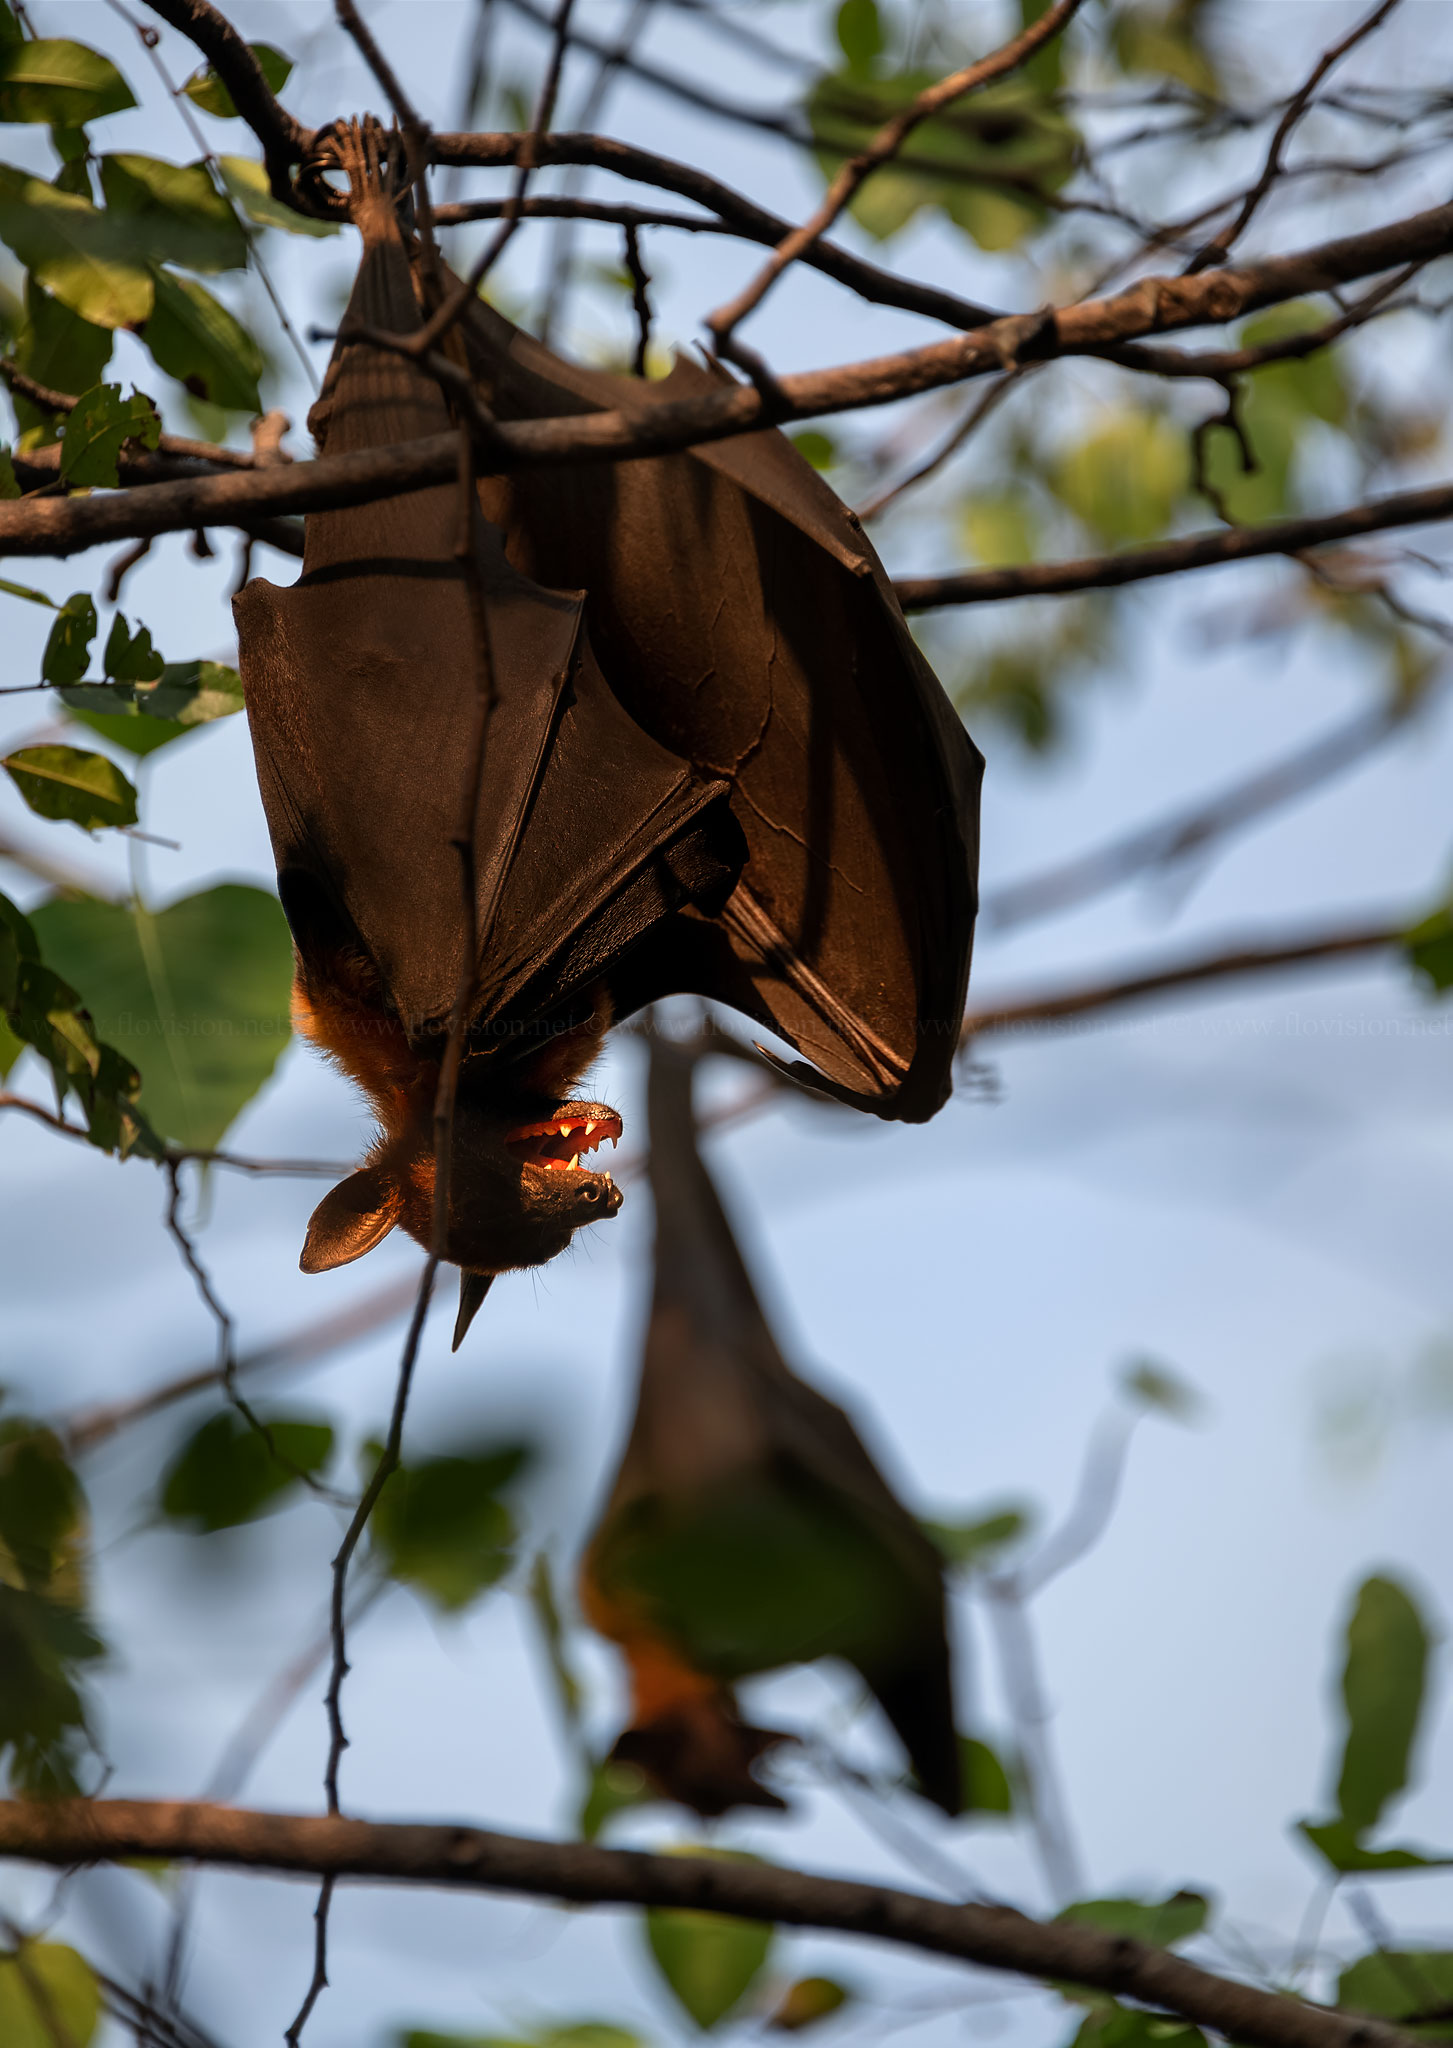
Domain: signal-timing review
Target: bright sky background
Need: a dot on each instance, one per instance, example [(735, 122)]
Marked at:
[(1253, 1188)]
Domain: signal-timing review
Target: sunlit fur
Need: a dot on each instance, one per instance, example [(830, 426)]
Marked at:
[(503, 1212)]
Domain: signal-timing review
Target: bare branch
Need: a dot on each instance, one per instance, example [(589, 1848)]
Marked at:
[(884, 146), (1186, 832), (1171, 557), (88, 1427), (742, 215), (1216, 251), (1223, 965), (462, 1858)]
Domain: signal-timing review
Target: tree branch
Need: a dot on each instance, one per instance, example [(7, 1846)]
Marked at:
[(1170, 557), (754, 223), (284, 140), (1251, 958), (54, 526), (61, 1832), (884, 146)]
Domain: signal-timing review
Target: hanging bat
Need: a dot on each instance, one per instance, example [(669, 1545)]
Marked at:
[(360, 684), (747, 1527), (745, 621), (776, 809)]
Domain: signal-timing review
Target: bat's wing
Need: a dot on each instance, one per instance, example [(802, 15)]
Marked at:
[(743, 618), (746, 1502), (362, 684)]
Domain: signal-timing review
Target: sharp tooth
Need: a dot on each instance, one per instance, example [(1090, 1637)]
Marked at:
[(615, 1138), (575, 1159), (564, 1130), (590, 1127)]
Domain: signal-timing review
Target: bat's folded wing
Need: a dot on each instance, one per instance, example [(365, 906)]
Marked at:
[(744, 620), (361, 687)]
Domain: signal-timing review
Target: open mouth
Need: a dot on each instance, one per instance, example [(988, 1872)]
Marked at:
[(561, 1139)]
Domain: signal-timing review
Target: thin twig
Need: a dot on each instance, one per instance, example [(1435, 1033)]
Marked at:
[(1185, 832), (640, 300), (225, 1370), (1216, 251), (86, 1428), (1032, 1013), (884, 146)]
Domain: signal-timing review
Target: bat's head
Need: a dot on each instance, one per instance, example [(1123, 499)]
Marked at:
[(518, 1190)]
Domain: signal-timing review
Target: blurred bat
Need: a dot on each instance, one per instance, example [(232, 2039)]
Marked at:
[(758, 793), (747, 1527)]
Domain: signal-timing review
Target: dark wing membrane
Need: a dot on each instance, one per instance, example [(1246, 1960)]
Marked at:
[(745, 622), (362, 684), (361, 695)]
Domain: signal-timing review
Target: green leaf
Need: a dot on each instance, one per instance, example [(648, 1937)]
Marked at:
[(42, 1509), (68, 649), (206, 90), (546, 1609), (95, 433), (74, 250), (9, 484), (985, 1781), (1153, 1385), (1429, 948), (999, 530), (143, 717), (44, 1638), (968, 1545), (60, 350), (62, 782), (197, 994), (48, 1994), (186, 219), (227, 1472), (950, 162), (130, 657), (1164, 44), (1337, 1843), (860, 36), (1109, 2025), (64, 84), (44, 1012), (1382, 1690), (1398, 1984), (43, 1644), (815, 447), (707, 1961), (439, 1524), (807, 2002), (613, 1788), (247, 183), (194, 338), (1125, 479), (1161, 1923), (11, 1047)]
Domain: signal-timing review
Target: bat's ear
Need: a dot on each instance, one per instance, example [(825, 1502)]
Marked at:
[(351, 1219), (473, 1287)]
